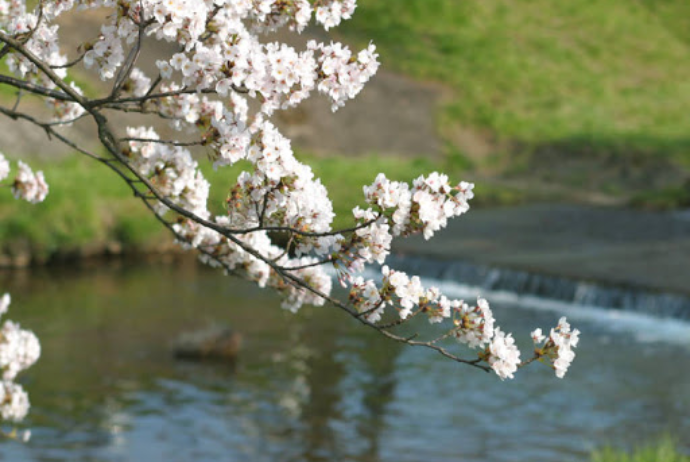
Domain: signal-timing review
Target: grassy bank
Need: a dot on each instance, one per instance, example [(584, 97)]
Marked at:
[(601, 80), (663, 451), (86, 205), (89, 206), (589, 95)]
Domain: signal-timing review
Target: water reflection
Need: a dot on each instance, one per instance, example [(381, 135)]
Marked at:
[(311, 387)]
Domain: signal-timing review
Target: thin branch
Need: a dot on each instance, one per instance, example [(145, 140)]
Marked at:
[(50, 132), (536, 357), (307, 265), (142, 99), (18, 100), (287, 229), (168, 142), (371, 310), (70, 121), (69, 64), (126, 69), (33, 88), (399, 322), (154, 84), (139, 110)]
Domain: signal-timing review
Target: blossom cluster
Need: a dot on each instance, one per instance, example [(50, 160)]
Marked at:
[(557, 347), (473, 325), (230, 57), (331, 12), (426, 207), (170, 169), (281, 192), (27, 185), (19, 349), (398, 210), (502, 355), (343, 75), (43, 43)]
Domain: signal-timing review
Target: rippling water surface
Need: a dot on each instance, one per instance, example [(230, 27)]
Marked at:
[(316, 386)]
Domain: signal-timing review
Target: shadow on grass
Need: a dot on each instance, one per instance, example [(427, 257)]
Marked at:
[(626, 165)]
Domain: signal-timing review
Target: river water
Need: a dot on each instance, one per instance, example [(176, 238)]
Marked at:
[(316, 386)]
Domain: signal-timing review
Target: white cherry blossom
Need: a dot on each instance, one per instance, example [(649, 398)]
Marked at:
[(503, 355), (29, 186)]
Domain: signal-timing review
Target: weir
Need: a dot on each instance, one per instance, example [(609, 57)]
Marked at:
[(576, 292)]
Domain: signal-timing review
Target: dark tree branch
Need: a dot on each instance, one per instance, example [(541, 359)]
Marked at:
[(33, 88)]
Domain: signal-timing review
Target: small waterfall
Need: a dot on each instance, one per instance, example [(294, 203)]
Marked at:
[(566, 290)]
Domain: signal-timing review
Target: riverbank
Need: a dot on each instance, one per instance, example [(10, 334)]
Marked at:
[(588, 95), (433, 107), (609, 246), (90, 212)]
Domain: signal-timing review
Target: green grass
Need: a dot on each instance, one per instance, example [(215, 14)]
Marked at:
[(601, 79), (86, 205), (670, 198), (540, 73), (540, 81), (89, 205), (663, 451)]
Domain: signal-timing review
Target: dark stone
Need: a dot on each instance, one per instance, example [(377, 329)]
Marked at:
[(213, 343)]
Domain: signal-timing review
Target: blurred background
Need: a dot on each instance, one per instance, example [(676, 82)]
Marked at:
[(572, 118)]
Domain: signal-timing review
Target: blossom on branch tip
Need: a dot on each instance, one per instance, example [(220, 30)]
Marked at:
[(557, 348), (537, 336)]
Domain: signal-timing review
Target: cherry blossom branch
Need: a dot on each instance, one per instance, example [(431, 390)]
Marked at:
[(219, 67)]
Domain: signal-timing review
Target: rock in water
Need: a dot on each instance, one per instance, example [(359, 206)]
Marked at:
[(215, 342)]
